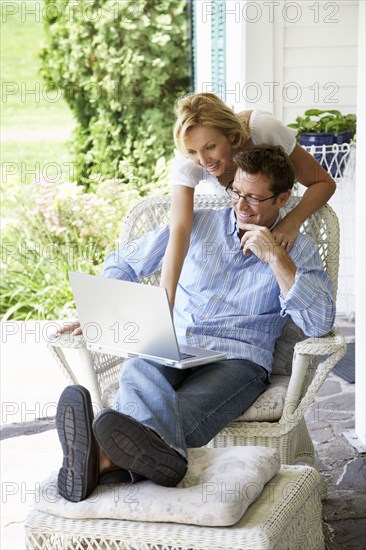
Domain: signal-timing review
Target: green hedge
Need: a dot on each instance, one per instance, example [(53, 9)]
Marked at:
[(120, 65)]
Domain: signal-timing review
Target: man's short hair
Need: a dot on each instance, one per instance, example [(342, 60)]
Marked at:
[(270, 161)]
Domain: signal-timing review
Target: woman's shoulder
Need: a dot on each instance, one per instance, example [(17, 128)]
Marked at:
[(266, 128), (245, 116), (253, 116)]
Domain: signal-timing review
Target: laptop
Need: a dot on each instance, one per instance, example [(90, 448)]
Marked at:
[(132, 320)]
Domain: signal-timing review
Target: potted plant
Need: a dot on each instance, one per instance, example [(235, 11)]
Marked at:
[(318, 128)]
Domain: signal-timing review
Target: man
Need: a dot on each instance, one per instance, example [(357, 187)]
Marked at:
[(236, 289)]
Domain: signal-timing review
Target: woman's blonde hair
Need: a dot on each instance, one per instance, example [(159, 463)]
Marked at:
[(207, 109)]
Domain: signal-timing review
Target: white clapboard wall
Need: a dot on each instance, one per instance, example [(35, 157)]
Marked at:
[(288, 56), (319, 54)]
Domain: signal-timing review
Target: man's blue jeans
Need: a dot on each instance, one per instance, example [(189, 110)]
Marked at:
[(188, 408)]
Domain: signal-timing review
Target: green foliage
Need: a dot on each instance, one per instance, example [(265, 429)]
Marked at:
[(318, 121), (34, 127), (54, 229), (121, 66)]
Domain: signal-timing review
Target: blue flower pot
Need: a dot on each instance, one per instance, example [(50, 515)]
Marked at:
[(343, 137), (334, 166)]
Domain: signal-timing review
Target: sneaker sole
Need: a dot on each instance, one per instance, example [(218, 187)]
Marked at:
[(132, 446), (78, 475)]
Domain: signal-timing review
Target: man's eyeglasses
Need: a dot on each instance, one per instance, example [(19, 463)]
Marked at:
[(253, 201)]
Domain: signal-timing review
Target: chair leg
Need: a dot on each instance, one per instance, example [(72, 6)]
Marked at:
[(304, 450)]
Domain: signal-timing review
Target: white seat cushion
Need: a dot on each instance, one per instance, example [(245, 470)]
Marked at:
[(269, 406), (219, 486)]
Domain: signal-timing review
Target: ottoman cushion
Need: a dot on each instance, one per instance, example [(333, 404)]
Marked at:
[(219, 486)]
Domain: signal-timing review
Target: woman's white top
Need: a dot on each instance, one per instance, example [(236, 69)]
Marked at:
[(263, 128)]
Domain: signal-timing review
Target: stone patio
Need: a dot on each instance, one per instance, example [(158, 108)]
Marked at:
[(341, 465)]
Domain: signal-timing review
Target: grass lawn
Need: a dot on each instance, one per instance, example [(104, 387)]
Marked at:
[(35, 127)]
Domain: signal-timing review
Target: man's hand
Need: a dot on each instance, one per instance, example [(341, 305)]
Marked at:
[(260, 241), (75, 328)]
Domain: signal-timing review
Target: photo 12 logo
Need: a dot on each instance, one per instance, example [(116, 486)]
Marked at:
[(73, 10), (37, 92), (255, 11), (47, 332), (291, 92)]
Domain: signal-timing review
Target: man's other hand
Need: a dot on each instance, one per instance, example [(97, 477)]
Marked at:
[(74, 328), (260, 241)]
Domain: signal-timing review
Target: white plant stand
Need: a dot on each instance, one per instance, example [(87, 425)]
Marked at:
[(340, 161)]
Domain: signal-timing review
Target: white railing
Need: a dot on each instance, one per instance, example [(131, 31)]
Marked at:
[(334, 158)]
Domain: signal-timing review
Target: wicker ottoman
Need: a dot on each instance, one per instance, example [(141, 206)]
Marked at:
[(287, 515)]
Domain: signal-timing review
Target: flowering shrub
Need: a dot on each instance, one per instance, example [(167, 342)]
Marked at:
[(52, 229)]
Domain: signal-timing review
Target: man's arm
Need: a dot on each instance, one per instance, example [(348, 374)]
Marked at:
[(306, 289), (260, 241), (310, 300), (131, 262), (137, 259)]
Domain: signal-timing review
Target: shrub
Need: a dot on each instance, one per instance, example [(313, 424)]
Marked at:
[(121, 65), (54, 229)]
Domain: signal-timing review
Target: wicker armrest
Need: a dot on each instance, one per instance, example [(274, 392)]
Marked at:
[(67, 340), (325, 345), (333, 346)]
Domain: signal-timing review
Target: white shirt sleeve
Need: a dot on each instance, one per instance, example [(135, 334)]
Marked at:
[(265, 128), (185, 172)]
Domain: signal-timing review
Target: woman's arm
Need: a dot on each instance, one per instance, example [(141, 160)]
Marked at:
[(181, 221), (320, 187)]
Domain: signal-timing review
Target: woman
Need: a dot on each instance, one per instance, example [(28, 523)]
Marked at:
[(207, 133)]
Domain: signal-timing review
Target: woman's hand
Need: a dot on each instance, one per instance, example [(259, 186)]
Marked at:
[(320, 187), (285, 233)]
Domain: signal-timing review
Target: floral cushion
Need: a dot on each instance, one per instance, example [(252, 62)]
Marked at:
[(219, 486), (269, 405)]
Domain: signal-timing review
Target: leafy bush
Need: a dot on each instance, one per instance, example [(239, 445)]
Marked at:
[(121, 65), (53, 229)]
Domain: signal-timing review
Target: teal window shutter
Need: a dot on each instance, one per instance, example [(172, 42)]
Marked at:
[(218, 44), (193, 10)]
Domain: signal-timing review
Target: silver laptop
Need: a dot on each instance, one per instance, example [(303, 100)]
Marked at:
[(132, 320)]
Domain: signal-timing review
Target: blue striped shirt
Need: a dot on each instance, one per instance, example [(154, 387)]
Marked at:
[(227, 301)]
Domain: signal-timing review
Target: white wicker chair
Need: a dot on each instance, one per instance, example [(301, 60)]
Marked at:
[(302, 371)]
